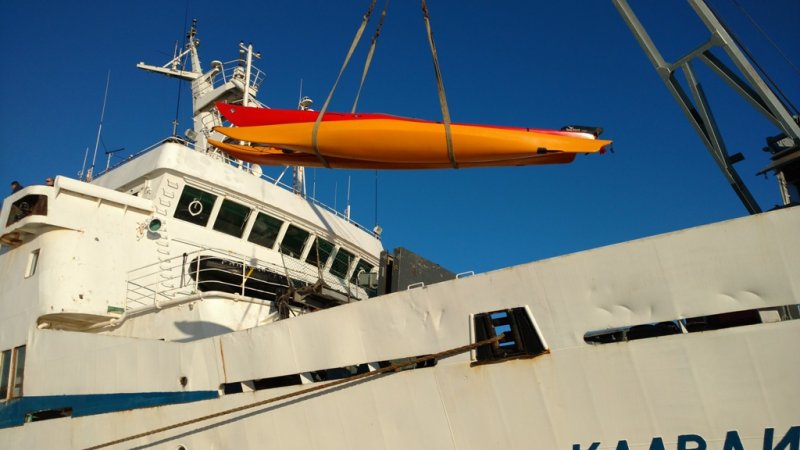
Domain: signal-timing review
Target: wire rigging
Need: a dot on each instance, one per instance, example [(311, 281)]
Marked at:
[(766, 36), (782, 97)]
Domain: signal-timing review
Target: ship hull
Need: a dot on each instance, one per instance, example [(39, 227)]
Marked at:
[(729, 385)]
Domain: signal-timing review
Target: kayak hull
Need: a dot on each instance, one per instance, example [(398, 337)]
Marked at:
[(411, 142), (249, 116), (267, 156)]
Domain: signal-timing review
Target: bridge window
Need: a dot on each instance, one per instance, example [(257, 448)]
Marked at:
[(341, 263), (26, 206), (293, 241), (265, 230), (365, 278), (320, 252), (195, 206), (362, 266), (232, 218)]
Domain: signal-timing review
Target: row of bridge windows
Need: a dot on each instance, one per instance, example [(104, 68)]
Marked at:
[(196, 206)]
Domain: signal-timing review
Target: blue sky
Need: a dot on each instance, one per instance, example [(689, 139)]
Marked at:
[(520, 63)]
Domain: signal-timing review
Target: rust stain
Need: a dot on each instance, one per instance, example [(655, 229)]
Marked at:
[(222, 358)]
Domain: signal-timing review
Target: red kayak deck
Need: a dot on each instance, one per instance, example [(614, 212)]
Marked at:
[(248, 116)]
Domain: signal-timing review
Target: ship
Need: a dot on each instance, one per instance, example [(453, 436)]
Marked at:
[(184, 300)]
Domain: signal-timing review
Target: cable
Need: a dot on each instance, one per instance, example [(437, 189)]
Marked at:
[(391, 368), (774, 86), (766, 36)]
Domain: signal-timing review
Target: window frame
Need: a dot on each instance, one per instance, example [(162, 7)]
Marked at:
[(311, 251), (278, 235), (349, 264), (6, 364), (211, 212), (219, 214), (17, 369), (302, 249), (12, 373)]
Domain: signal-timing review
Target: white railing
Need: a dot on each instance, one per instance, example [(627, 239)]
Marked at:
[(235, 69), (206, 269)]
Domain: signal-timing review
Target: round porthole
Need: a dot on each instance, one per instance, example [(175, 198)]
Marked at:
[(183, 381), (154, 225)]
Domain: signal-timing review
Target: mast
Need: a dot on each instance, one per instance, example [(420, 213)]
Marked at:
[(236, 83), (697, 109)]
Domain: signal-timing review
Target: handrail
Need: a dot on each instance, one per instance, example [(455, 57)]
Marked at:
[(225, 158), (166, 281)]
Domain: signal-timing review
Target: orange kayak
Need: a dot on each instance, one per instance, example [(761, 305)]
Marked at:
[(248, 116), (409, 142), (269, 156)]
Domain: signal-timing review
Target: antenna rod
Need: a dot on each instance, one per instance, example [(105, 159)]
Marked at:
[(100, 126), (83, 167), (300, 97), (347, 207)]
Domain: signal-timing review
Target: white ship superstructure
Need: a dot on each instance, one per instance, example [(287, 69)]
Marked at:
[(183, 301)]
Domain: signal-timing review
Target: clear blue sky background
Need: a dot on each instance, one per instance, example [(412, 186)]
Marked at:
[(525, 63)]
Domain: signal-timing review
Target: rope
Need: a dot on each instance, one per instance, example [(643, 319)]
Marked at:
[(440, 87), (391, 368), (353, 46), (369, 55)]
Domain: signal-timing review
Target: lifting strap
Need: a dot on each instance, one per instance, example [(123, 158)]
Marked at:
[(353, 46), (369, 55), (440, 87)]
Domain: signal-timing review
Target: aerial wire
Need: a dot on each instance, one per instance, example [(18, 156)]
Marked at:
[(90, 172), (183, 66), (776, 89), (766, 36)]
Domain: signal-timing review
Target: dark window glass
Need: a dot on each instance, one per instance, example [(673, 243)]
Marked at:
[(293, 241), (232, 218), (29, 205), (195, 206), (5, 370), (19, 370), (362, 265), (265, 230), (341, 263), (320, 252)]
